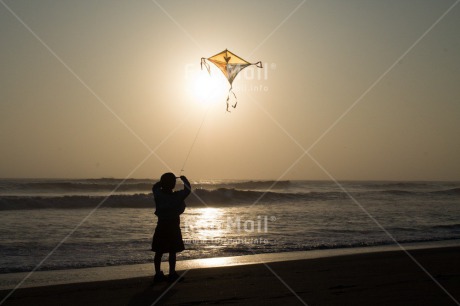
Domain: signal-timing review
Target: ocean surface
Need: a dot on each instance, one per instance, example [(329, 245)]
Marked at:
[(66, 224)]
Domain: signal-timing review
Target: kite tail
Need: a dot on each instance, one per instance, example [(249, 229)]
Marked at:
[(236, 100), (259, 65), (228, 98), (203, 62)]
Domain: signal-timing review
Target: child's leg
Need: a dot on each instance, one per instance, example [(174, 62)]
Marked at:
[(157, 261), (172, 262)]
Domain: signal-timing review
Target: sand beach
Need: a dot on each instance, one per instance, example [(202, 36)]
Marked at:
[(380, 278)]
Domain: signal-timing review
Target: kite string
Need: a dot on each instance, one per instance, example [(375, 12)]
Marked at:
[(194, 140)]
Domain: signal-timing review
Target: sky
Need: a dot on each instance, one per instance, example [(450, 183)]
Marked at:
[(350, 90)]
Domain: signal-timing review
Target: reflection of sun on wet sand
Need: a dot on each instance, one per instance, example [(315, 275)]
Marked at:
[(384, 278)]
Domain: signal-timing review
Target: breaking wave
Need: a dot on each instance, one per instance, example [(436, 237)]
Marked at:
[(199, 197)]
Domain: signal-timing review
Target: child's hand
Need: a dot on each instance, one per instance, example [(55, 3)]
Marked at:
[(182, 177)]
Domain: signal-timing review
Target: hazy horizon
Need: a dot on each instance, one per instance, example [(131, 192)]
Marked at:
[(214, 180), (114, 90)]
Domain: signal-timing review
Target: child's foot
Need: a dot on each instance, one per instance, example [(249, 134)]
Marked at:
[(172, 277), (159, 277)]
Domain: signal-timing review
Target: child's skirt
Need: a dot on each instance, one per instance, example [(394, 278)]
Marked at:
[(168, 237)]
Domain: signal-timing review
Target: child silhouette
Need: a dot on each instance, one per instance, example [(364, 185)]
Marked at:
[(167, 238)]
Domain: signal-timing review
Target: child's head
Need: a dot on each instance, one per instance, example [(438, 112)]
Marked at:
[(168, 181)]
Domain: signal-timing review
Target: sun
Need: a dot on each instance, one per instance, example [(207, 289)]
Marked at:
[(208, 89)]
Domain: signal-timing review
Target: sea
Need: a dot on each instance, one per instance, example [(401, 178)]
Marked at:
[(57, 224)]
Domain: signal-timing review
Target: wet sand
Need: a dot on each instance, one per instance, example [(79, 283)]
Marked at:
[(362, 279)]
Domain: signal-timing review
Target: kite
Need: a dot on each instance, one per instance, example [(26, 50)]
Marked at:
[(230, 65)]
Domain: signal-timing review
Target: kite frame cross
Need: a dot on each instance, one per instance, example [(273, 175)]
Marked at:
[(230, 64)]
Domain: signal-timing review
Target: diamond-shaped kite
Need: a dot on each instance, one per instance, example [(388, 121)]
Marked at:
[(230, 65)]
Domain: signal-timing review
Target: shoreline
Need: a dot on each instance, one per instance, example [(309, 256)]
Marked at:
[(380, 278), (9, 281)]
